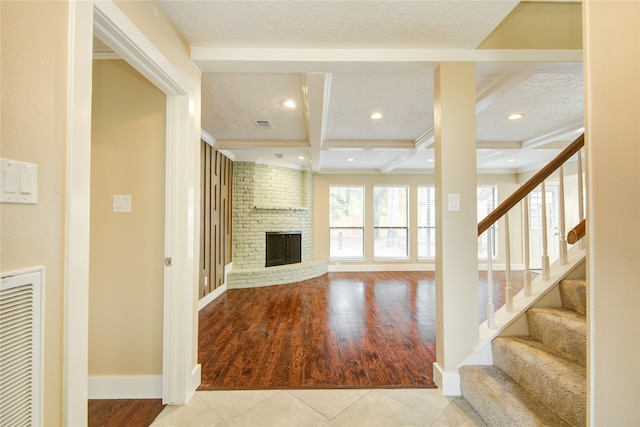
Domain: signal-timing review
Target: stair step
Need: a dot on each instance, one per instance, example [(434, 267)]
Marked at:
[(555, 381), (562, 329), (502, 402), (573, 294)]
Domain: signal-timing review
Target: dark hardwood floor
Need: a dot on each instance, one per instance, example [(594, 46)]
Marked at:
[(341, 330), (364, 330), (123, 412)]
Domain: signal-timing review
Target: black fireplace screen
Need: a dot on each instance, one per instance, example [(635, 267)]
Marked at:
[(283, 248)]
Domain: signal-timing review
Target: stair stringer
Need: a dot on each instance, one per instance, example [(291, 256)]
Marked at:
[(544, 293)]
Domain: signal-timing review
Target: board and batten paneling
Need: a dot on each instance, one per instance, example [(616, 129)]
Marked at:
[(216, 171)]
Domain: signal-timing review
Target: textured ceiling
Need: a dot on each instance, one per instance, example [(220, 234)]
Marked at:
[(337, 23), (342, 60)]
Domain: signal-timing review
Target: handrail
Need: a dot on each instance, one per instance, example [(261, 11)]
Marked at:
[(577, 232), (530, 185)]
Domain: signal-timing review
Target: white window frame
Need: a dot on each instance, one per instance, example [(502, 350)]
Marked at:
[(378, 228), (360, 227)]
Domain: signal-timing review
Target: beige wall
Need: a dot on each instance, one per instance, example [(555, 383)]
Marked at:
[(539, 25), (612, 95), (126, 282), (33, 129), (506, 184)]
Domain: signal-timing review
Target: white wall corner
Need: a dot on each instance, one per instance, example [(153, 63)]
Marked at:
[(196, 379), (126, 387), (447, 382)]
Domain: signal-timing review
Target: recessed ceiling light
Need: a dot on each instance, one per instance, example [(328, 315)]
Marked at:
[(301, 157), (376, 116), (515, 116), (290, 103), (350, 159), (511, 160), (430, 160)]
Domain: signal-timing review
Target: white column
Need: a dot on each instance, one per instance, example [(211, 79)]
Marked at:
[(612, 95), (456, 221)]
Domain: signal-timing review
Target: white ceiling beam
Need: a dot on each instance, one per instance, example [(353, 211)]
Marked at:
[(570, 130), (367, 144), (210, 59), (496, 86), (258, 144), (398, 160), (317, 87)]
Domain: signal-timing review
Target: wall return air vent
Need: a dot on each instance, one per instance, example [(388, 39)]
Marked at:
[(263, 124)]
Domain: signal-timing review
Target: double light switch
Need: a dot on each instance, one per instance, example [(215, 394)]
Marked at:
[(18, 182)]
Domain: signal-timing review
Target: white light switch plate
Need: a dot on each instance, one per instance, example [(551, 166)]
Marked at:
[(122, 203), (18, 182), (454, 202)]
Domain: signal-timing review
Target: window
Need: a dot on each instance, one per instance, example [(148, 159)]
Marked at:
[(390, 222), (346, 222), (486, 203), (426, 222)]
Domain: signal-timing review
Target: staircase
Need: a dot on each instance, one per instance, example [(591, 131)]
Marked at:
[(540, 379)]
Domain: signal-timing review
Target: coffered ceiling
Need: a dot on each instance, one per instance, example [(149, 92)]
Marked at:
[(340, 61)]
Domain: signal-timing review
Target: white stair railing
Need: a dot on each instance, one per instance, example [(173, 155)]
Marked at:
[(562, 241), (502, 211)]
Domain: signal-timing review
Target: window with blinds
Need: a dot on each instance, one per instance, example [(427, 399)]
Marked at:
[(346, 222), (391, 222), (487, 198), (426, 222)]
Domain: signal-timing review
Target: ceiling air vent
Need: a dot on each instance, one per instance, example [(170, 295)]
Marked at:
[(263, 124), (279, 155)]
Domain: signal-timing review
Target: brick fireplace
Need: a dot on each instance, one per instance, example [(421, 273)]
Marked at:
[(271, 199)]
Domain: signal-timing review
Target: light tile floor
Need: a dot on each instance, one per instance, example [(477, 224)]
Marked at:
[(331, 408)]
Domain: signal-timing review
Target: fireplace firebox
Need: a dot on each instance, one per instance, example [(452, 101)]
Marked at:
[(283, 247)]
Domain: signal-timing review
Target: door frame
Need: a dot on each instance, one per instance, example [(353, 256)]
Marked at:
[(180, 376)]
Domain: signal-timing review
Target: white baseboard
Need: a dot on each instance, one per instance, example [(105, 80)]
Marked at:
[(343, 267), (126, 387), (448, 382), (211, 296), (425, 266)]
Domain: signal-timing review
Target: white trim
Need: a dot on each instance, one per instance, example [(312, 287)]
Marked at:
[(130, 43), (76, 250), (211, 296), (206, 137), (448, 382), (119, 33), (126, 387), (344, 267)]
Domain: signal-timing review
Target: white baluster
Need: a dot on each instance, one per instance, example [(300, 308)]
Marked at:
[(545, 247), (490, 309), (562, 241), (580, 195), (527, 270), (508, 290)]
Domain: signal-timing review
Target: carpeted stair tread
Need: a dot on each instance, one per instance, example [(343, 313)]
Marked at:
[(573, 294), (555, 381), (562, 329), (502, 402)]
